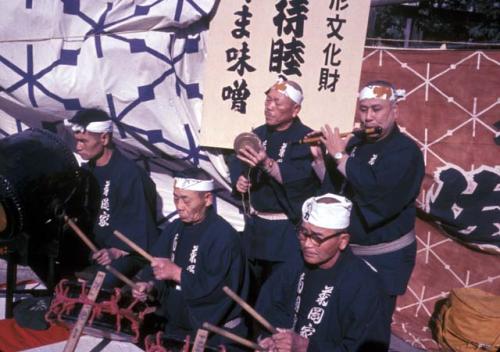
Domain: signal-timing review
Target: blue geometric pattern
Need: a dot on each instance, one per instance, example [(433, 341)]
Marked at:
[(32, 79), (100, 27), (142, 63)]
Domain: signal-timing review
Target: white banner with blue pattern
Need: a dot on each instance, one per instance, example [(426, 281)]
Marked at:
[(142, 61)]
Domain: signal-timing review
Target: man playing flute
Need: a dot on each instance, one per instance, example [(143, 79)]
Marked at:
[(381, 173)]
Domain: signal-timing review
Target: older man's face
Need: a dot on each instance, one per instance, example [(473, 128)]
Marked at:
[(191, 205), (280, 110), (378, 113), (320, 247)]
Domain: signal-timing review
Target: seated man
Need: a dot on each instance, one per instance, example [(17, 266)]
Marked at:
[(334, 303), (195, 257), (127, 195)]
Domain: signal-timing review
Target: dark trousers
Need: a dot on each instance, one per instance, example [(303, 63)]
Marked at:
[(394, 270), (269, 244), (260, 271)]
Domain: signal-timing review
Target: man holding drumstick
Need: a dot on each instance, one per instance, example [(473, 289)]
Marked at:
[(194, 258), (127, 195), (335, 301)]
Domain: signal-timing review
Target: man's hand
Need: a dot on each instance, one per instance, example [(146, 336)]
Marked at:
[(164, 269), (107, 255), (268, 344), (332, 140), (141, 290), (251, 157), (287, 341), (243, 184)]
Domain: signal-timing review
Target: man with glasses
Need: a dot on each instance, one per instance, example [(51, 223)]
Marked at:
[(335, 302)]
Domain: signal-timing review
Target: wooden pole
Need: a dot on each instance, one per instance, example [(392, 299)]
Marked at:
[(132, 245), (232, 337), (250, 310), (94, 249)]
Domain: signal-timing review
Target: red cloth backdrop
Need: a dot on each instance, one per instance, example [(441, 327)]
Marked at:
[(450, 110)]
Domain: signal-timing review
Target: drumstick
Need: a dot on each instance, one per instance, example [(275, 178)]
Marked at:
[(122, 277), (250, 310), (232, 337), (80, 234), (136, 248), (94, 249), (132, 245)]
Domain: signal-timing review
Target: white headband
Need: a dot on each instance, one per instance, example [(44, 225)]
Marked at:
[(381, 92), (192, 184), (327, 215), (286, 89), (96, 127)]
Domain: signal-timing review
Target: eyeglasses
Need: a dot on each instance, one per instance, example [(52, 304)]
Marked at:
[(316, 238)]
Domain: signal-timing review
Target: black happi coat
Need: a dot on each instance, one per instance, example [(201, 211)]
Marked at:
[(211, 257), (127, 203), (337, 309)]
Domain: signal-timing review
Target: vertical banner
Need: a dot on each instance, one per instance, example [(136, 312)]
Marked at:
[(317, 43)]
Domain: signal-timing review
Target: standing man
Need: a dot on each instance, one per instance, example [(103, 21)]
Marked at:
[(127, 195), (277, 179), (381, 174), (195, 257), (335, 301)]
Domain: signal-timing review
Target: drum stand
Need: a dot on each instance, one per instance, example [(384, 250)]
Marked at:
[(13, 261)]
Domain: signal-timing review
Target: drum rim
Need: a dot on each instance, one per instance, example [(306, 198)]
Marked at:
[(172, 337), (249, 137), (97, 329), (11, 203), (68, 154), (3, 219)]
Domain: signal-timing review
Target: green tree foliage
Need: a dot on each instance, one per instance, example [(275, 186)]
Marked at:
[(442, 20)]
